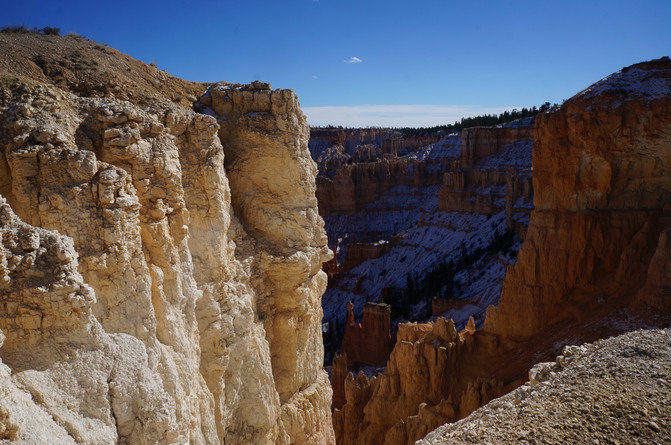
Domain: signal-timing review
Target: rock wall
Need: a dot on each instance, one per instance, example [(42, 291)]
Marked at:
[(593, 259), (349, 141), (422, 373), (602, 182), (356, 185), (164, 266), (493, 173)]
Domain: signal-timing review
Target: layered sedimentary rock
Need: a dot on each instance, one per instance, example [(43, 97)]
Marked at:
[(356, 185), (362, 144), (594, 257), (391, 227), (493, 173), (163, 265), (602, 182)]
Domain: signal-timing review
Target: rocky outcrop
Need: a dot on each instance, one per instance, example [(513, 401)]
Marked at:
[(423, 371), (164, 265), (339, 373), (611, 391), (358, 166), (333, 148), (356, 185), (588, 267), (602, 184), (370, 341)]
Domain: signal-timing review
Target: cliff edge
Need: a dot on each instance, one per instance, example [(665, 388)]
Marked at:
[(611, 391), (160, 267)]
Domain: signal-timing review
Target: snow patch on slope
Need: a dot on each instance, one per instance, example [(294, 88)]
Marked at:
[(637, 82)]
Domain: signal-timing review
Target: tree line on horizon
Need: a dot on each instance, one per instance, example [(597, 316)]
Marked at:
[(484, 120)]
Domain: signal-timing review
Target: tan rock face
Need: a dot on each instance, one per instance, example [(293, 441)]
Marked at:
[(594, 258), (167, 272)]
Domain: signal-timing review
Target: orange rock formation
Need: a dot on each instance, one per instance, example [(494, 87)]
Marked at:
[(596, 254), (370, 341)]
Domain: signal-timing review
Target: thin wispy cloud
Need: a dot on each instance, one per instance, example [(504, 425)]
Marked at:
[(395, 115), (315, 77), (353, 60)]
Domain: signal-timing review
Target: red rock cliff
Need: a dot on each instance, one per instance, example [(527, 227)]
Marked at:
[(595, 256), (370, 341)]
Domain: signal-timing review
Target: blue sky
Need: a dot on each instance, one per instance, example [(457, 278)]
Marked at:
[(415, 62)]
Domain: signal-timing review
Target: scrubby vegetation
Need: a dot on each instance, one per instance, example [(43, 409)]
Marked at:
[(440, 281), (477, 121), (21, 29)]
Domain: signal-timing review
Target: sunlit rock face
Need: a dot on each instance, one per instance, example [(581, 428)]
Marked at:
[(160, 267), (602, 182), (594, 263)]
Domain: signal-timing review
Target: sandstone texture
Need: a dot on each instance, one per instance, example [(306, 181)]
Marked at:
[(613, 391), (594, 263), (602, 183), (160, 265)]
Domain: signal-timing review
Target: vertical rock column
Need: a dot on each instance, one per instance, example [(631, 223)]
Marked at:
[(272, 182)]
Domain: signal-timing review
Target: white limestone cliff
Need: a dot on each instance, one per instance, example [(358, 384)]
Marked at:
[(160, 270)]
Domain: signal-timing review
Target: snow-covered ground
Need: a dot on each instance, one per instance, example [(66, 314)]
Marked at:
[(637, 82), (422, 238), (437, 238), (448, 147), (517, 123), (517, 154)]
